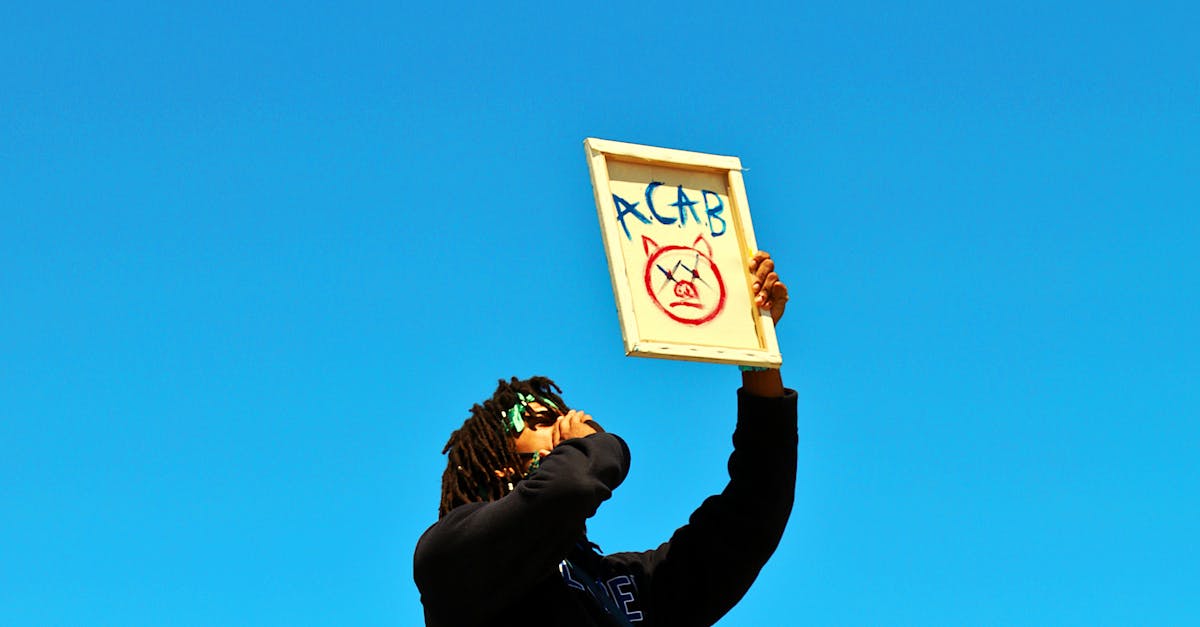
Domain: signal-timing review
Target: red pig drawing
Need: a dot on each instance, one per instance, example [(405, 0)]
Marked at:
[(683, 281)]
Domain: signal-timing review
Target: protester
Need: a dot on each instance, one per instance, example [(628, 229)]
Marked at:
[(525, 472)]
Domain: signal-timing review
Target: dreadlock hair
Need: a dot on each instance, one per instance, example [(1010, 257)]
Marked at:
[(482, 446)]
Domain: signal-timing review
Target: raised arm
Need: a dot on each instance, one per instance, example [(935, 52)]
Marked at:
[(709, 563)]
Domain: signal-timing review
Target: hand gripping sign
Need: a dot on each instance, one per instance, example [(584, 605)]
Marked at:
[(677, 233)]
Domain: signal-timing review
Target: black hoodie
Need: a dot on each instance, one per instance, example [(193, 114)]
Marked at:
[(523, 560)]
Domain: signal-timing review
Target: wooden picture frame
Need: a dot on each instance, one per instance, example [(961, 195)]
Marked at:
[(678, 269)]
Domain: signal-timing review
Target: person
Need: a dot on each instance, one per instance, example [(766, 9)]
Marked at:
[(525, 472)]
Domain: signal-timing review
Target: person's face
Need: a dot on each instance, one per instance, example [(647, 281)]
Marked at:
[(536, 438)]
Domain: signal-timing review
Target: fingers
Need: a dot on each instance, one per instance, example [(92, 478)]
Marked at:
[(574, 424), (556, 432), (758, 257), (769, 292), (761, 265), (776, 302), (765, 278), (765, 290), (779, 293), (579, 426)]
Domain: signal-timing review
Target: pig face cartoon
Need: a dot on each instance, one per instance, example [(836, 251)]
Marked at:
[(683, 281)]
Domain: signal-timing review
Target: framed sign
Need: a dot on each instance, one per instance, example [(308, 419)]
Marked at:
[(677, 233)]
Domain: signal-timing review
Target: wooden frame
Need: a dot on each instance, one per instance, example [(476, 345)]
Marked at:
[(708, 314)]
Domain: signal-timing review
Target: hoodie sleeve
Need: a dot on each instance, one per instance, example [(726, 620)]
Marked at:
[(709, 563), (488, 552)]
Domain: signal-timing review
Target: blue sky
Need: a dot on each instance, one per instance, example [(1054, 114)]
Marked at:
[(256, 262)]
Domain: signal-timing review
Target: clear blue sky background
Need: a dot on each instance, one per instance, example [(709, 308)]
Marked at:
[(257, 260)]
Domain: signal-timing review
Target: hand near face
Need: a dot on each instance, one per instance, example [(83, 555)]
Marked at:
[(543, 436), (575, 424), (769, 292)]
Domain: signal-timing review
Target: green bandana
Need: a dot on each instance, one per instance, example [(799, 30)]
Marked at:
[(513, 419)]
